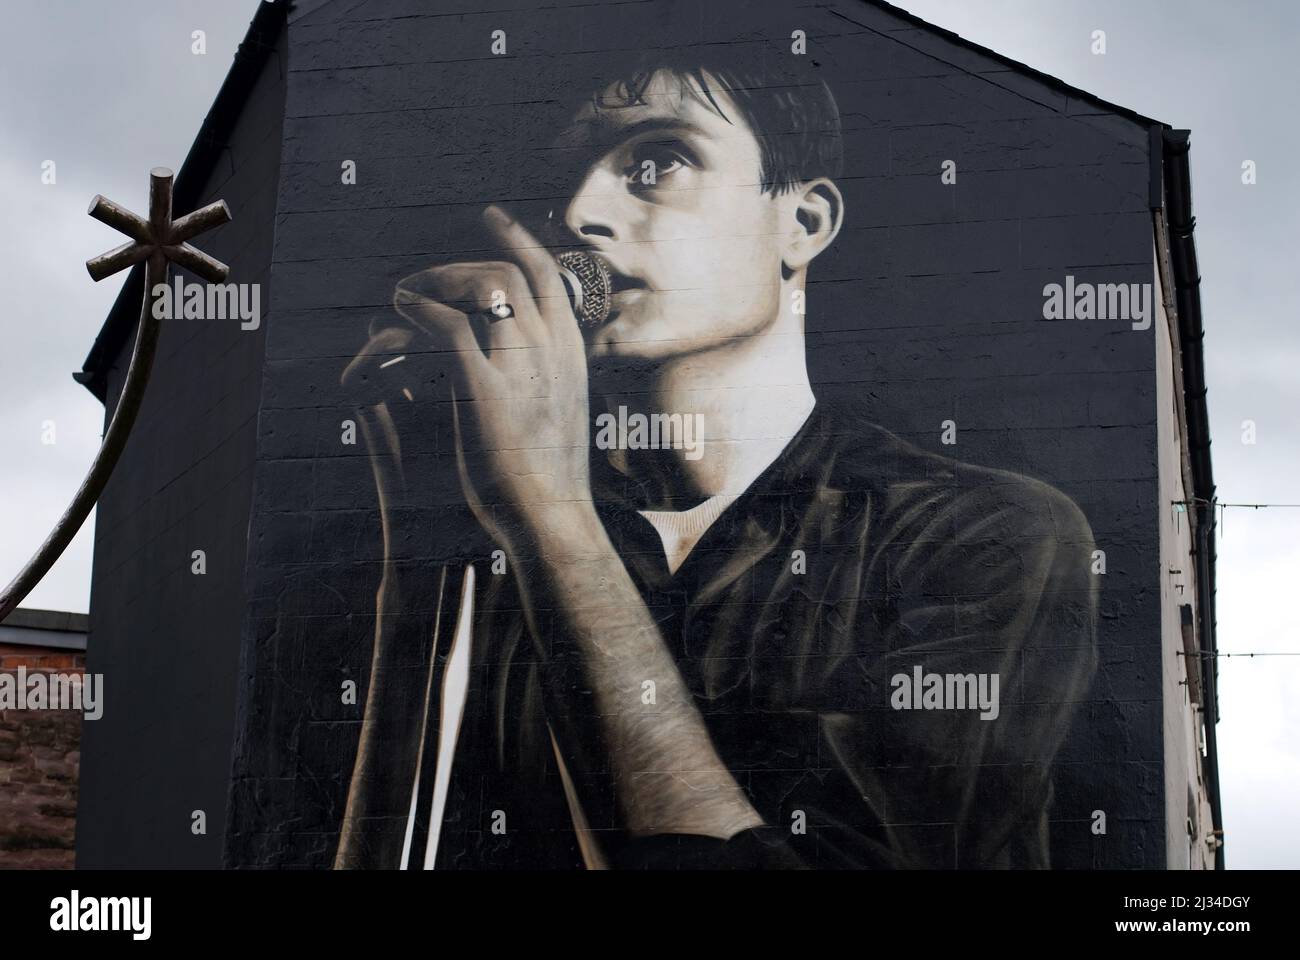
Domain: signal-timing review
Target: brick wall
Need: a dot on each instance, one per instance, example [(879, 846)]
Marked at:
[(40, 757)]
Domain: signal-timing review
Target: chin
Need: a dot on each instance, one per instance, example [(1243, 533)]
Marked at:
[(641, 338), (610, 344), (629, 334), (658, 326)]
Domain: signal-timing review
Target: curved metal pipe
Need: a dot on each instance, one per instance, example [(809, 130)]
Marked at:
[(119, 428)]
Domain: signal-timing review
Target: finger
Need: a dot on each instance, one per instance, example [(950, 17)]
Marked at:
[(450, 331), (469, 287), (445, 324), (385, 342), (481, 289), (537, 264)]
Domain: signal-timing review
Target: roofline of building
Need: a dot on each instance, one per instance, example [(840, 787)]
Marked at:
[(205, 153), (57, 629), (1044, 78), (34, 619)]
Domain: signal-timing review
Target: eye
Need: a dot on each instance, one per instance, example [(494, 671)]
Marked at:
[(666, 159)]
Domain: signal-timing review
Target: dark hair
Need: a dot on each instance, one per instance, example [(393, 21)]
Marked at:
[(794, 118)]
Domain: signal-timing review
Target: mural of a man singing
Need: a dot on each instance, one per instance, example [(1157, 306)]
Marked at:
[(763, 634)]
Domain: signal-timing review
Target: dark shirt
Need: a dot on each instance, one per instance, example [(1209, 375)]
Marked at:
[(853, 558)]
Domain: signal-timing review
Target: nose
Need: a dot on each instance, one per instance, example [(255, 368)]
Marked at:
[(592, 214)]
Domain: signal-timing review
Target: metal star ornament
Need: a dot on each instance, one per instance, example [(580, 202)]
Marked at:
[(158, 241), (159, 235)]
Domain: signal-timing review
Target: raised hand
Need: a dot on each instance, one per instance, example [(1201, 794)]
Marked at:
[(521, 371)]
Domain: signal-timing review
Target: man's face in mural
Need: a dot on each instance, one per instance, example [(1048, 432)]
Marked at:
[(674, 202)]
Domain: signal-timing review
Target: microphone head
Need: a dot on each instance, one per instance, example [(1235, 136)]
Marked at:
[(590, 288)]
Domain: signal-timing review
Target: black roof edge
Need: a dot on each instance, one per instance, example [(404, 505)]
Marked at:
[(36, 618), (1181, 225), (259, 41), (1045, 78)]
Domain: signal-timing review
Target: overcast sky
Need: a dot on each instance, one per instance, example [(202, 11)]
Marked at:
[(79, 84)]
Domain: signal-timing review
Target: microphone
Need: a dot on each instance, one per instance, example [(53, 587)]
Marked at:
[(586, 277)]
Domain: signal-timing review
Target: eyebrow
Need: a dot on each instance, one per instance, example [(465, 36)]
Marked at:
[(610, 135)]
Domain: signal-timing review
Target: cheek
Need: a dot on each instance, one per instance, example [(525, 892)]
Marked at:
[(726, 248)]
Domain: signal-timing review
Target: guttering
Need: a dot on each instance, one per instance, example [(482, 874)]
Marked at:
[(1187, 281)]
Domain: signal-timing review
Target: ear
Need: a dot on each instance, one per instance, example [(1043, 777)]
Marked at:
[(815, 213)]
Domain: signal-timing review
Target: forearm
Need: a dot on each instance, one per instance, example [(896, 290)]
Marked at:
[(669, 778)]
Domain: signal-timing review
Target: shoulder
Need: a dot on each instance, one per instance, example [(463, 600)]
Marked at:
[(995, 554), (920, 495)]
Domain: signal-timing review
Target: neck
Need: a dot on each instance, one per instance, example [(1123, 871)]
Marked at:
[(740, 402)]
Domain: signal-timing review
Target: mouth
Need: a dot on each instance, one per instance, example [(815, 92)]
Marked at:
[(621, 282), (624, 291)]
